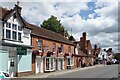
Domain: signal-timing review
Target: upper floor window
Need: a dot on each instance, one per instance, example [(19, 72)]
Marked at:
[(61, 49), (14, 26), (12, 32), (19, 36), (69, 49), (8, 34), (20, 28), (8, 25), (54, 47), (40, 44), (14, 35)]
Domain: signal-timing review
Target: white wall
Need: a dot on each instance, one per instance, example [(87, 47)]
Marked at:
[(25, 40)]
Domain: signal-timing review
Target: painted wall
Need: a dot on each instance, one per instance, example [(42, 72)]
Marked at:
[(3, 60), (25, 39)]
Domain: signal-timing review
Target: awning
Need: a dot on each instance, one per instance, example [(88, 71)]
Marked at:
[(15, 45)]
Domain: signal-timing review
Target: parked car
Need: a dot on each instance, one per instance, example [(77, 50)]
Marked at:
[(117, 62), (3, 74), (109, 62)]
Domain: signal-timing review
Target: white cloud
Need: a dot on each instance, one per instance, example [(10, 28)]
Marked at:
[(99, 30)]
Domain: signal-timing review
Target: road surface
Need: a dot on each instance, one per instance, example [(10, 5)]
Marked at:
[(108, 71)]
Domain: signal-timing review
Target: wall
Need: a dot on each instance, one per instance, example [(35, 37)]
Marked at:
[(4, 60), (25, 40)]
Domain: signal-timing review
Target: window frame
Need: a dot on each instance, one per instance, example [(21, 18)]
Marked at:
[(13, 28), (69, 49), (40, 45), (50, 66), (71, 61), (54, 47)]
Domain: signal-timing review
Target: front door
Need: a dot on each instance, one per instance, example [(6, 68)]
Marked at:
[(12, 66), (37, 65)]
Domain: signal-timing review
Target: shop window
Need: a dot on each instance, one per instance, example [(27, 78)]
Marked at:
[(49, 64), (70, 62)]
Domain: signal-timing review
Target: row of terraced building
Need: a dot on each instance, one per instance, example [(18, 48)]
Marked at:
[(29, 49)]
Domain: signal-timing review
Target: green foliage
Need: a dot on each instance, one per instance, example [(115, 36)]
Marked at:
[(117, 56), (54, 25)]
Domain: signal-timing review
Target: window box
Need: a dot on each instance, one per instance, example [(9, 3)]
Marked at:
[(37, 53), (66, 54), (49, 53)]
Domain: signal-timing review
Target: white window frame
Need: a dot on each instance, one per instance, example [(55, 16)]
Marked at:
[(40, 44), (11, 30), (53, 65), (71, 61), (69, 49), (54, 47)]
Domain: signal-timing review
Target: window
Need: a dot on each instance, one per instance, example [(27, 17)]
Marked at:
[(14, 26), (19, 36), (8, 25), (8, 34), (14, 35), (40, 45), (69, 49), (70, 62), (61, 49), (49, 64), (19, 28), (54, 47)]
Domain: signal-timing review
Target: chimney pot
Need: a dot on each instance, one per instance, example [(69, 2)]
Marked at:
[(18, 3)]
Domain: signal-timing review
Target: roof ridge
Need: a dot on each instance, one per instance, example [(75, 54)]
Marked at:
[(47, 30)]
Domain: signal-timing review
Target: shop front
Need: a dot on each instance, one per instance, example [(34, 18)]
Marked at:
[(60, 63), (49, 62), (16, 61), (70, 61)]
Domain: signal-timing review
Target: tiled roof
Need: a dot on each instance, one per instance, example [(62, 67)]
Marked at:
[(41, 32), (3, 11), (38, 31)]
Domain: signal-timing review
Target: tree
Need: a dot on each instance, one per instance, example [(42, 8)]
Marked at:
[(54, 25), (117, 56)]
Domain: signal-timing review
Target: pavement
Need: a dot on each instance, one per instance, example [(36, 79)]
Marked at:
[(47, 75)]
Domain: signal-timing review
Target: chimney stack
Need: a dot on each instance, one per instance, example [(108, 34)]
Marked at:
[(84, 42), (18, 3), (17, 6)]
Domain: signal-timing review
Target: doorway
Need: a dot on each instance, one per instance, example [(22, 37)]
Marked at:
[(39, 65), (12, 66)]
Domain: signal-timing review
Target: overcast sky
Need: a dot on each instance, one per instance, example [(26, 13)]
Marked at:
[(98, 18)]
